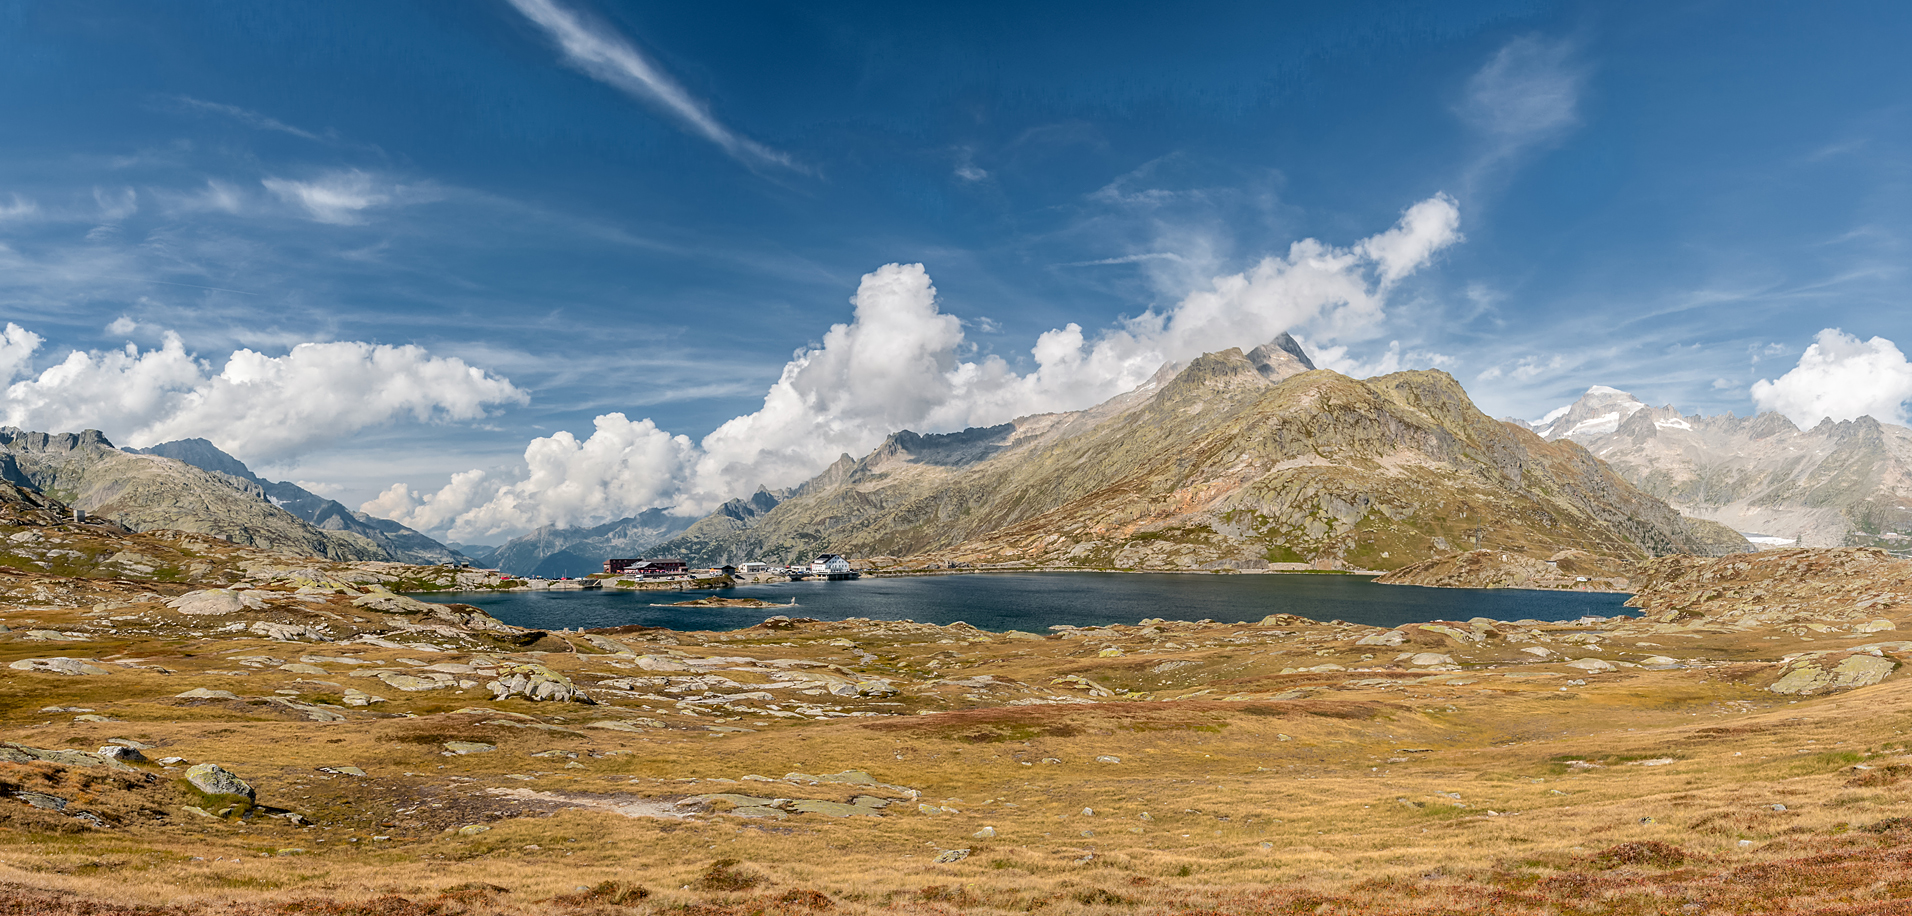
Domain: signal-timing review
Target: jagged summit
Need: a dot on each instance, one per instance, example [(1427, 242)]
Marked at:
[(1598, 412), (1275, 358)]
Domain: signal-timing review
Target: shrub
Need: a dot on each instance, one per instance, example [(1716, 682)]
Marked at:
[(613, 893), (1649, 853), (724, 875)]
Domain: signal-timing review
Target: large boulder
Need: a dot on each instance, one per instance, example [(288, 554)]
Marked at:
[(536, 682), (215, 602), (392, 603), (217, 780), (58, 665)]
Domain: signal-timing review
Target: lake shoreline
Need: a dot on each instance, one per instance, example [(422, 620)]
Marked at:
[(1025, 600)]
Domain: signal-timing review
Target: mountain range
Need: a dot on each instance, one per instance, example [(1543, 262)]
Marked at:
[(1235, 461), (190, 485), (395, 540), (1844, 483)]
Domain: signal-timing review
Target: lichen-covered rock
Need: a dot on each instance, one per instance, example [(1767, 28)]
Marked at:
[(1808, 677), (412, 684), (207, 693), (289, 632), (536, 682), (213, 779), (212, 602), (357, 697), (58, 665), (393, 603)]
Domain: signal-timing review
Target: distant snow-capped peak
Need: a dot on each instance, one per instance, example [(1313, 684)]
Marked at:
[(1597, 413)]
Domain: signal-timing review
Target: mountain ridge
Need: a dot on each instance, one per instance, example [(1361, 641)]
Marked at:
[(1236, 460), (396, 540), (1837, 483), (144, 492)]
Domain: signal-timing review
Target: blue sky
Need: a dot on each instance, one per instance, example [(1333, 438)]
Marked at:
[(502, 220)]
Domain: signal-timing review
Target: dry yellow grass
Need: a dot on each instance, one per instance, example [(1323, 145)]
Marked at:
[(1495, 784)]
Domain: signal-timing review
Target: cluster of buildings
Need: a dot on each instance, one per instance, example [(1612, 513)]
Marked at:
[(829, 565)]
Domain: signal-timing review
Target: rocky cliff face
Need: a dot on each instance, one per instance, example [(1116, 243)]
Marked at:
[(558, 551), (398, 542), (1239, 460), (146, 492), (1832, 485)]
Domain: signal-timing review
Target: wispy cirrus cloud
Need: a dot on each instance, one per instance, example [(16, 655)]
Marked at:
[(608, 57), (244, 116), (343, 197), (1526, 95), (1130, 259)]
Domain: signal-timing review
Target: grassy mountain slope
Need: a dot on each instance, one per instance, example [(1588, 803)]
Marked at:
[(1236, 461), (145, 492), (397, 541)]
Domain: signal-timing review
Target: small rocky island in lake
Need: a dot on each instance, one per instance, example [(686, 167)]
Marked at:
[(730, 602)]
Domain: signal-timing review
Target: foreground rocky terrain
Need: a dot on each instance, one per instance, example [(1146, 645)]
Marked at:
[(1235, 461), (188, 726)]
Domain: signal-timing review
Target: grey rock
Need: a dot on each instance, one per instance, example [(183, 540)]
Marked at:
[(42, 800), (212, 602), (832, 809), (536, 682), (950, 855), (57, 666), (206, 693), (213, 779)]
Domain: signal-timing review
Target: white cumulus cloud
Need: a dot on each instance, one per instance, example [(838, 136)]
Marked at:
[(17, 346), (256, 406), (898, 364), (1842, 378)]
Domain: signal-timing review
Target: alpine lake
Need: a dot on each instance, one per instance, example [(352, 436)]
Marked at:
[(1037, 601)]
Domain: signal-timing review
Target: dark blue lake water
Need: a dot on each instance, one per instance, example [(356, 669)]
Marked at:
[(1034, 601)]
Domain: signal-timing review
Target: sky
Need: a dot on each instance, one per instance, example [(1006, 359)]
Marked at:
[(485, 265)]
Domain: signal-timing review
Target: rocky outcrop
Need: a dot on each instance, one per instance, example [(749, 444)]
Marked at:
[(1850, 588), (1236, 461), (1568, 569)]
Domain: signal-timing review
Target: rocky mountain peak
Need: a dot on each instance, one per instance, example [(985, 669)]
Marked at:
[(200, 454), (25, 439), (1280, 358), (1598, 412)]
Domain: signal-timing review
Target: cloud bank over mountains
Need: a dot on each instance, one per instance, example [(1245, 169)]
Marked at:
[(256, 406), (1842, 378), (899, 364)]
